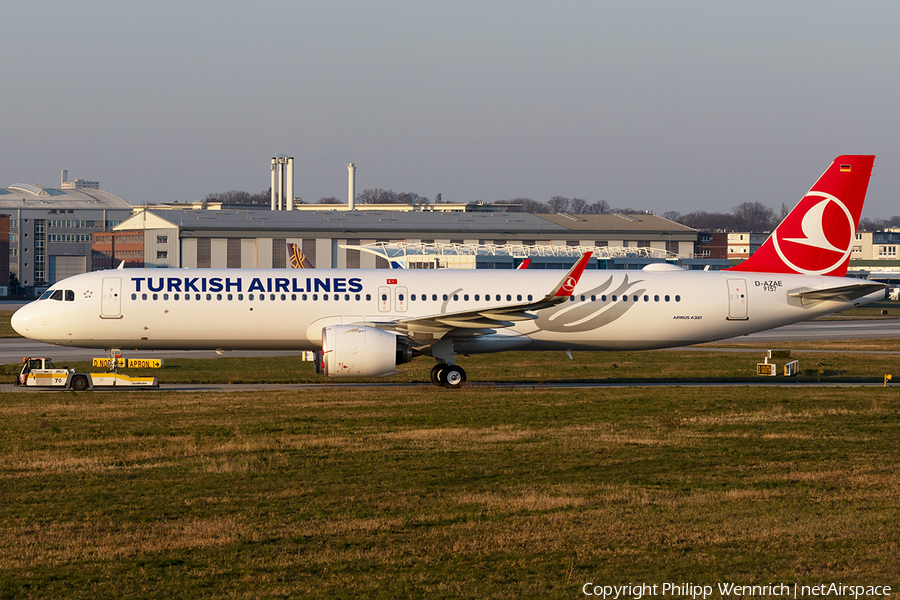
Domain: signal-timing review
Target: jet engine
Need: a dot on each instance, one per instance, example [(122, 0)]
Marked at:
[(359, 351)]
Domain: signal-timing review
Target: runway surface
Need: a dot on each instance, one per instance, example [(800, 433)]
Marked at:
[(483, 385)]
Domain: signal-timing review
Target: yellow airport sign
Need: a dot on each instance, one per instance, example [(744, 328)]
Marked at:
[(145, 363), (765, 369), (104, 362), (131, 363)]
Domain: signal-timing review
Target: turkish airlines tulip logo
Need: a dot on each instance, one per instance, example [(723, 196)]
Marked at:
[(817, 238), (569, 285)]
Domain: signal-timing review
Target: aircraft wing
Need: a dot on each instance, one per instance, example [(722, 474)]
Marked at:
[(487, 319), (845, 293)]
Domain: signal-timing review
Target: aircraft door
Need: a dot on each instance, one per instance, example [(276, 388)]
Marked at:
[(111, 298), (401, 295), (384, 299), (737, 300)]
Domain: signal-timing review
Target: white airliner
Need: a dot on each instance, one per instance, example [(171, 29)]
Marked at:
[(365, 322)]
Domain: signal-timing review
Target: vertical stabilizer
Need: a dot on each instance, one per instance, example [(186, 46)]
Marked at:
[(816, 238)]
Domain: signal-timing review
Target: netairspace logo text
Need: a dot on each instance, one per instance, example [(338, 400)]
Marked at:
[(638, 591)]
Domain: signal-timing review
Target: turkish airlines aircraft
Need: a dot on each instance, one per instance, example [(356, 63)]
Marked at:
[(364, 323)]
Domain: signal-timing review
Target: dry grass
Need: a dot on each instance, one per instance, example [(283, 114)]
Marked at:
[(428, 493)]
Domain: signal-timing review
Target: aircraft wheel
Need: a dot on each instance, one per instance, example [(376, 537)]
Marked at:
[(453, 377), (79, 383), (436, 371)]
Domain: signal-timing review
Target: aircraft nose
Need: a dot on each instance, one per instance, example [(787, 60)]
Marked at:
[(22, 320)]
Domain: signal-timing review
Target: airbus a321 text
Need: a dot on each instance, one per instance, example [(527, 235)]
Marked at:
[(363, 323)]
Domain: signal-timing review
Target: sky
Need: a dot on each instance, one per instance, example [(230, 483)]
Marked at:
[(661, 106)]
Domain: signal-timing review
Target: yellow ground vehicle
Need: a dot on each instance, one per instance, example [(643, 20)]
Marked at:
[(40, 372)]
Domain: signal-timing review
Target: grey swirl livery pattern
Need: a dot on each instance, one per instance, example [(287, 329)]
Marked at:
[(580, 316)]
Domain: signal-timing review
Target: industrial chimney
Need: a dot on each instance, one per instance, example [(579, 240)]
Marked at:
[(283, 183), (272, 188), (351, 187), (289, 192)]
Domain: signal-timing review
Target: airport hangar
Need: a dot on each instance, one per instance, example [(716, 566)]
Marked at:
[(329, 236), (50, 230)]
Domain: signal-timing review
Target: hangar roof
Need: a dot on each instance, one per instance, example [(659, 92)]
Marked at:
[(25, 195), (616, 222), (376, 223)]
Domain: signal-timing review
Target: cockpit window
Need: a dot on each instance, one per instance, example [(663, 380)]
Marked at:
[(46, 295), (56, 295), (70, 296)]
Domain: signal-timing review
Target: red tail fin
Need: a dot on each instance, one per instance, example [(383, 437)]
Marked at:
[(816, 238)]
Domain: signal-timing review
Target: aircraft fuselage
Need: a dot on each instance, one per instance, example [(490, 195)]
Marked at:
[(280, 309)]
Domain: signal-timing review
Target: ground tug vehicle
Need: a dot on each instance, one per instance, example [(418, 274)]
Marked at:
[(41, 372)]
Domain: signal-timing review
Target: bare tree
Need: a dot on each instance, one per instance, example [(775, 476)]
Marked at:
[(558, 204), (524, 205), (377, 196), (239, 197), (412, 198), (600, 207), (876, 224), (535, 207), (784, 212), (231, 197), (579, 206), (628, 211), (707, 221), (753, 216), (329, 200)]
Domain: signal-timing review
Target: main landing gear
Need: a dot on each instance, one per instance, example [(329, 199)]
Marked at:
[(448, 376)]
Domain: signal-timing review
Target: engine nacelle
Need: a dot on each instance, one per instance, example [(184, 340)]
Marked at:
[(359, 351)]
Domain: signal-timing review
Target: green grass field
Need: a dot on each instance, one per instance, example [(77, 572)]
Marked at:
[(429, 493)]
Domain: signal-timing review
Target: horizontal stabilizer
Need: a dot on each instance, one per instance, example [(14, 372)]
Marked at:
[(845, 293)]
